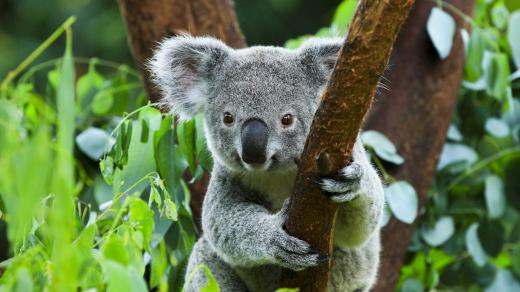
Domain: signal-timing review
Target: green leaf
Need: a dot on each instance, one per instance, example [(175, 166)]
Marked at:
[(382, 146), (211, 284), (121, 278), (403, 202), (343, 16), (90, 81), (496, 72), (159, 265), (495, 196), (141, 214), (412, 285), (441, 29), (491, 235), (475, 53), (170, 209), (499, 15), (515, 259), (186, 137), (114, 249), (504, 282), (93, 142), (102, 102), (452, 153), (204, 157), (512, 5), (140, 155), (513, 36), (454, 134), (497, 127), (438, 234), (474, 246)]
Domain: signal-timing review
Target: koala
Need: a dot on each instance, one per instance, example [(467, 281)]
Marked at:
[(258, 104)]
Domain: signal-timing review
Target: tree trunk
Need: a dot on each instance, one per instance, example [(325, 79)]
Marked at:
[(148, 22), (336, 125), (415, 115)]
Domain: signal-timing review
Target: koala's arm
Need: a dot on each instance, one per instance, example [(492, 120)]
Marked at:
[(359, 216), (244, 233)]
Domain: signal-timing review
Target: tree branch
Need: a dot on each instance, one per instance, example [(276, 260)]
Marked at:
[(336, 125), (415, 115)]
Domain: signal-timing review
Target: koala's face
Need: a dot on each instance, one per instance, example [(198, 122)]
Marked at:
[(258, 103)]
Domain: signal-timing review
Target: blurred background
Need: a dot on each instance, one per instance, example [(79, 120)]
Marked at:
[(24, 24)]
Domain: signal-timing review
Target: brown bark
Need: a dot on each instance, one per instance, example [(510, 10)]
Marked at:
[(415, 115), (148, 22), (336, 125)]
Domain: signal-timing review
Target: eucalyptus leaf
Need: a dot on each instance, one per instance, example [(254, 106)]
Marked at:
[(412, 285), (440, 232), (504, 281), (441, 29), (452, 153), (403, 202), (383, 147), (513, 36), (474, 246), (497, 127), (495, 196), (93, 142), (454, 133)]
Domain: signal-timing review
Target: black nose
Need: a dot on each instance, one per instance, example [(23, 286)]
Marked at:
[(254, 141)]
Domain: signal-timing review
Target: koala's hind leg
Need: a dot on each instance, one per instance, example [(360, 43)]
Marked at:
[(226, 277)]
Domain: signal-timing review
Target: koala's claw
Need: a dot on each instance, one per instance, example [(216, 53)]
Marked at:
[(345, 187)]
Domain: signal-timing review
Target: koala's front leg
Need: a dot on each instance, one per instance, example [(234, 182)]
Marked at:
[(244, 233), (359, 190)]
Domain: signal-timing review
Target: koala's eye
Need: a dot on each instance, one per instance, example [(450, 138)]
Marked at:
[(287, 120), (228, 119)]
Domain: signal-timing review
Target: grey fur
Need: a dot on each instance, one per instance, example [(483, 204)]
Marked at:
[(243, 241)]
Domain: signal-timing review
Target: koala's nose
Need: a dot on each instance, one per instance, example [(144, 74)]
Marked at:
[(254, 141)]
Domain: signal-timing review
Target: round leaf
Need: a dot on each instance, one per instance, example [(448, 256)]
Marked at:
[(454, 134), (412, 285), (383, 147), (93, 142), (441, 29), (504, 282), (513, 36), (495, 196), (402, 199), (474, 247), (452, 153), (440, 232), (497, 127), (102, 103)]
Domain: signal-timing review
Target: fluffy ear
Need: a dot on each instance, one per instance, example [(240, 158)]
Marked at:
[(181, 67), (320, 54)]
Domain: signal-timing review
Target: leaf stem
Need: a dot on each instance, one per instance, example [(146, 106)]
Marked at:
[(38, 51), (481, 164)]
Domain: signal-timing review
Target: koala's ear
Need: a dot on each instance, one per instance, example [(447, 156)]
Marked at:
[(182, 67), (320, 54)]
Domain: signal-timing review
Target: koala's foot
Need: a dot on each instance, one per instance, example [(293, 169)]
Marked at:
[(289, 251), (345, 186)]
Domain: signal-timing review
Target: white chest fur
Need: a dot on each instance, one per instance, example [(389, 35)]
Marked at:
[(275, 187)]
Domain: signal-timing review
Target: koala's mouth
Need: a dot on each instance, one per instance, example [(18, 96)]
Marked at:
[(271, 164)]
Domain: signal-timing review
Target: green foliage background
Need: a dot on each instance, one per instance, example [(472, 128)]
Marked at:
[(92, 187)]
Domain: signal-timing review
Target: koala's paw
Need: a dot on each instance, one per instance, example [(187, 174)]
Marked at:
[(289, 251), (345, 186)]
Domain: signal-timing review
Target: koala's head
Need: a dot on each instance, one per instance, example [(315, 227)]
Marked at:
[(258, 103)]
